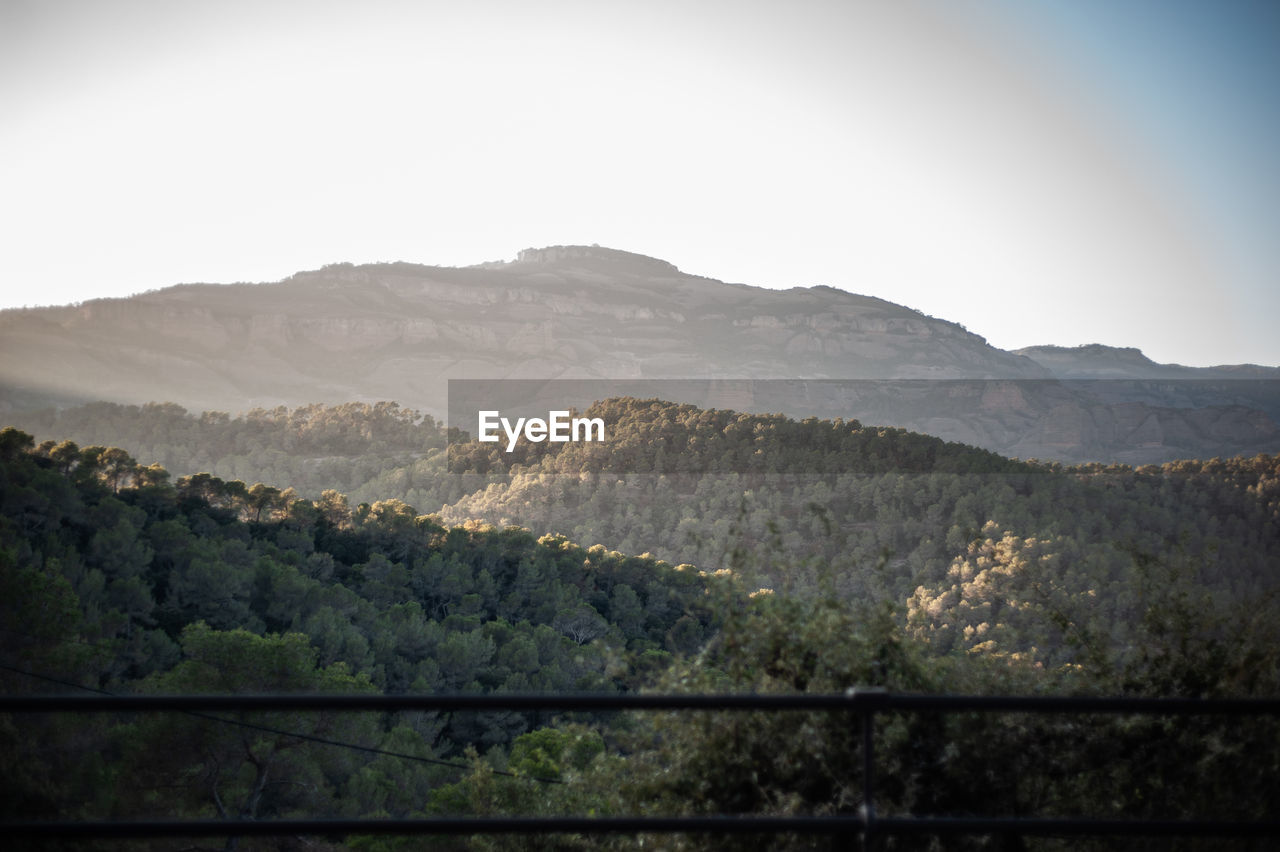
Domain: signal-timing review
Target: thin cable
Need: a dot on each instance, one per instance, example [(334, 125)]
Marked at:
[(277, 731)]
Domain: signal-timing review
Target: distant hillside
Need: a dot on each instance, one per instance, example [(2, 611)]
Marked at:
[(1095, 361), (401, 331), (789, 500), (866, 512)]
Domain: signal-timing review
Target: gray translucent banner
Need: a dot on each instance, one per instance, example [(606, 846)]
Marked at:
[(1079, 420)]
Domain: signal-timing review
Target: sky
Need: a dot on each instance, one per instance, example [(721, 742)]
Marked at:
[(1040, 171)]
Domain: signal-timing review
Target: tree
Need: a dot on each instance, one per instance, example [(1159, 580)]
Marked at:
[(581, 624), (14, 443), (245, 765), (266, 498), (116, 467), (334, 509)]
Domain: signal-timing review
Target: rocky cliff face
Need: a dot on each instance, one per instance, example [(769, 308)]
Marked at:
[(400, 331)]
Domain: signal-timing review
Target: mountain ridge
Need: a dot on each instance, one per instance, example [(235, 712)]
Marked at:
[(1098, 360), (399, 331)]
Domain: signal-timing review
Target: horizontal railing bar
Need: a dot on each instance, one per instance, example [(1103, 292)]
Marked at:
[(93, 703), (1049, 826), (1083, 704), (858, 700), (460, 825), (641, 825)]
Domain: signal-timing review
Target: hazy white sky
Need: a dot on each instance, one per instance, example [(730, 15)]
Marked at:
[(1057, 172)]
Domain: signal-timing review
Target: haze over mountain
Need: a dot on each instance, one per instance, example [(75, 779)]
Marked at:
[(400, 331)]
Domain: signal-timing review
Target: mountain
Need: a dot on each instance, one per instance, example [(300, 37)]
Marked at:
[(1095, 361), (397, 331), (400, 331)]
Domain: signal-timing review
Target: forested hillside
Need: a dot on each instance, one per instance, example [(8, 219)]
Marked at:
[(116, 579), (824, 554), (969, 543), (367, 451), (983, 555)]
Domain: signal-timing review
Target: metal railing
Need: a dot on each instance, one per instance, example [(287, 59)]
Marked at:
[(863, 703)]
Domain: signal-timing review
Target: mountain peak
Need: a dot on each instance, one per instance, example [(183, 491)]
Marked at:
[(1095, 351), (596, 256)]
